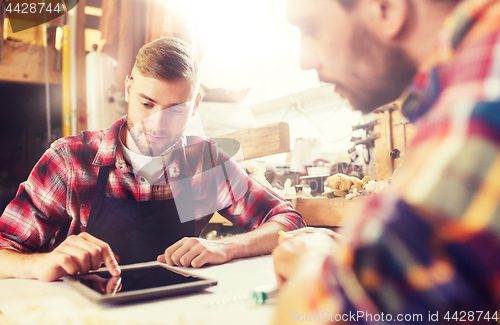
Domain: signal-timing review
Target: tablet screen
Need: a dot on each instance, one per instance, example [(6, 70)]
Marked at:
[(136, 279)]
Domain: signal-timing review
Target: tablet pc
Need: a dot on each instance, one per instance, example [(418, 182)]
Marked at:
[(137, 282)]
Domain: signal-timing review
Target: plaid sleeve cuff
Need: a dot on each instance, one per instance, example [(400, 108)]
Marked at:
[(9, 244), (290, 218)]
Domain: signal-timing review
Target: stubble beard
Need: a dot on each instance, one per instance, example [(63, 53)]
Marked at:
[(145, 146), (394, 70)]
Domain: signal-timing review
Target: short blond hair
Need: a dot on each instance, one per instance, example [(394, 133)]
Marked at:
[(167, 59)]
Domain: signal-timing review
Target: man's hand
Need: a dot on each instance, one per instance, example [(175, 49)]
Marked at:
[(76, 254), (196, 252), (301, 246)]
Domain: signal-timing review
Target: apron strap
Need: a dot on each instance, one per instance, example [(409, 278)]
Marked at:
[(99, 194), (102, 181)]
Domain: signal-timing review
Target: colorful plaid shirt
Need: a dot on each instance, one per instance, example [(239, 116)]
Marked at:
[(60, 188), (429, 249)]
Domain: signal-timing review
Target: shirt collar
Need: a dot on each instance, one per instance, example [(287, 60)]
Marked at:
[(421, 95), (109, 152)]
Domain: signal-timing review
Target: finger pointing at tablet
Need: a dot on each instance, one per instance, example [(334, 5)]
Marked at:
[(76, 254), (106, 255)]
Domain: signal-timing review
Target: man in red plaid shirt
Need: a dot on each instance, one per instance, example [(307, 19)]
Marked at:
[(427, 250), (139, 190)]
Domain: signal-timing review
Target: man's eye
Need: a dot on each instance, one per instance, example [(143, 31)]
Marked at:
[(178, 108), (147, 105)]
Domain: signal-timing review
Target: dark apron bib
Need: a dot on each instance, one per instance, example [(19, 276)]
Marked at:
[(137, 231)]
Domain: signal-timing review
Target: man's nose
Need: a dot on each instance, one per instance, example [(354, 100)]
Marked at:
[(308, 58), (156, 120)]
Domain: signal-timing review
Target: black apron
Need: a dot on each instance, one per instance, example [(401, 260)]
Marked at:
[(137, 231)]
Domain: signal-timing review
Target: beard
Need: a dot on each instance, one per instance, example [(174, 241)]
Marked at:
[(146, 144), (391, 67)]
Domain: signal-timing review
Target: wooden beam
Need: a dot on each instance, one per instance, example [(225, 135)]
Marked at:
[(2, 22), (384, 144), (392, 131), (23, 62), (262, 141), (403, 133), (217, 218), (94, 3), (81, 106)]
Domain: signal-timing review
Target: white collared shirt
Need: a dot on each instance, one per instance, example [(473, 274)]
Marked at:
[(151, 168)]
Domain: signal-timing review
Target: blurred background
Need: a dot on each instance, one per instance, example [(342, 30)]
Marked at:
[(66, 76)]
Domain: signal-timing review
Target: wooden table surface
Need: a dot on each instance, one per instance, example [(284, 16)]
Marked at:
[(35, 302)]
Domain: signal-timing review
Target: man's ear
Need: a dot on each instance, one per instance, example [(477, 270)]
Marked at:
[(197, 102), (387, 17), (128, 84)]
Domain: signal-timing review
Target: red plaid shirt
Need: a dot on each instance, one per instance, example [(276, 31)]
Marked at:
[(431, 245), (61, 186)]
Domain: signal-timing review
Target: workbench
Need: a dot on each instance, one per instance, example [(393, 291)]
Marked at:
[(273, 139), (35, 302), (327, 212), (318, 211)]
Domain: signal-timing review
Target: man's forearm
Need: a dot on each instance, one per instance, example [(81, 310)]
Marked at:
[(80, 253), (259, 241), (16, 265)]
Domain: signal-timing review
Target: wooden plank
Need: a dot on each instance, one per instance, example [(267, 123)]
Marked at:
[(318, 211), (327, 212), (81, 100), (400, 136), (403, 134), (384, 145), (262, 141), (2, 19), (23, 62), (258, 142), (217, 218)]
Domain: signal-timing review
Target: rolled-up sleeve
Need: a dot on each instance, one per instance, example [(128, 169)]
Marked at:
[(259, 205)]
